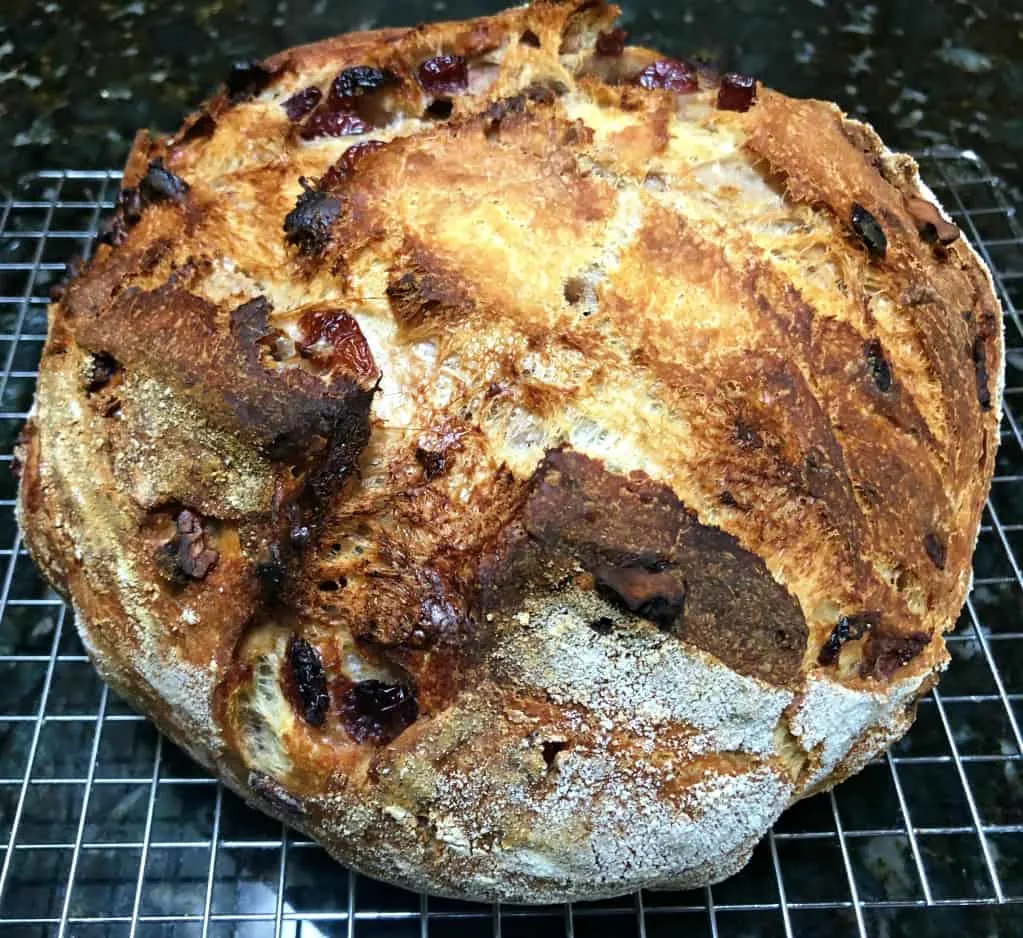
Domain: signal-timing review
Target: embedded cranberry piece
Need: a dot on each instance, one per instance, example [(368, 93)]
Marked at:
[(980, 369), (737, 92), (102, 369), (333, 124), (186, 555), (161, 185), (848, 628), (669, 75), (346, 345), (302, 102), (360, 80), (880, 368), (307, 225), (444, 74), (351, 157), (870, 232), (308, 680), (372, 711), (936, 549), (612, 42)]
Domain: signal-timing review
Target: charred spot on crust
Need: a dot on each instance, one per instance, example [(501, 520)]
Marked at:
[(159, 184), (307, 225), (936, 550), (354, 82), (102, 368), (375, 712), (186, 555), (848, 628), (736, 92), (434, 463), (305, 669), (868, 230), (302, 102), (246, 80), (275, 793), (444, 74), (644, 587), (979, 355), (531, 39), (885, 653), (603, 625), (611, 43), (878, 365), (930, 224), (668, 75)]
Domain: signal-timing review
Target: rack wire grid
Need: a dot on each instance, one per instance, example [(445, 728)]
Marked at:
[(106, 829)]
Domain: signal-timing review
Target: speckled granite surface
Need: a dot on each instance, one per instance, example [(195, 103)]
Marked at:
[(77, 77)]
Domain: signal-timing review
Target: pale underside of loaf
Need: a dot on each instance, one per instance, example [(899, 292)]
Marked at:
[(646, 472)]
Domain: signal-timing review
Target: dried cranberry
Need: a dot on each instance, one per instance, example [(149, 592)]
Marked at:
[(737, 92), (161, 185), (611, 42), (271, 571), (360, 80), (880, 369), (979, 355), (333, 124), (302, 102), (186, 556), (102, 369), (346, 345), (444, 74), (669, 75), (308, 680), (433, 462), (307, 225), (353, 155), (886, 653), (866, 226), (247, 79), (646, 588), (848, 628), (936, 550), (372, 711)]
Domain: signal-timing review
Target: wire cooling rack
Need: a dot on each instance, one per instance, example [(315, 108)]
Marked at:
[(106, 829)]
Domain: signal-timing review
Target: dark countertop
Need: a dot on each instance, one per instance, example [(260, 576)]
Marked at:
[(77, 77)]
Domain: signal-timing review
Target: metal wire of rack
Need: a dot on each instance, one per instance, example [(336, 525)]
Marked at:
[(106, 829)]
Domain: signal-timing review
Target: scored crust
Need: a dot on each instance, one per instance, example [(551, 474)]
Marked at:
[(532, 504)]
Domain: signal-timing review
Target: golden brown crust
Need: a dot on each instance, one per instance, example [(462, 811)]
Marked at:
[(519, 468)]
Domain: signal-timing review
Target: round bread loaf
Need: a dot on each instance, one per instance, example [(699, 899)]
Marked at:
[(520, 461)]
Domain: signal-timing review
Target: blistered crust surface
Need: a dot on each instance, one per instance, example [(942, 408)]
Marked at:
[(512, 459)]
